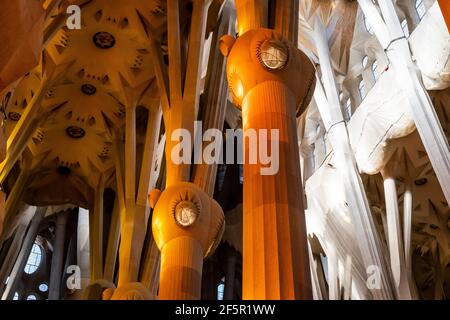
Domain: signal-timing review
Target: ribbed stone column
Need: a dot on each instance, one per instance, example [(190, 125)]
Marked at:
[(181, 269), (272, 82), (275, 261)]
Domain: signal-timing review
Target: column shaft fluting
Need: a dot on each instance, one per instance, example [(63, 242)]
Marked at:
[(181, 270), (275, 258)]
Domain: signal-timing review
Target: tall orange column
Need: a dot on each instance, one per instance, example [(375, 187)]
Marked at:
[(274, 223), (272, 82), (445, 8)]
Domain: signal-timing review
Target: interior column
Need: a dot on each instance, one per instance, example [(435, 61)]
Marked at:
[(54, 290), (271, 93)]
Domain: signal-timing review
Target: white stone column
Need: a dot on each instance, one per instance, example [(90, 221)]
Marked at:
[(395, 243), (407, 231), (333, 273), (83, 251), (331, 113), (347, 281)]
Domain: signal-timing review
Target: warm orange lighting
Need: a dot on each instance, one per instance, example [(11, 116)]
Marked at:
[(268, 78), (445, 8), (251, 14), (239, 90)]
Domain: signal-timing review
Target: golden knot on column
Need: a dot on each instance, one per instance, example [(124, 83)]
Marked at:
[(185, 210), (261, 55), (187, 226)]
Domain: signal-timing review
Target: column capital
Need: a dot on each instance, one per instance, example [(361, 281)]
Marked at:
[(185, 210), (261, 55)]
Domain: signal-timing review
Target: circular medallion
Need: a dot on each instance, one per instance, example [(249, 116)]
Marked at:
[(104, 40), (88, 89), (75, 132), (421, 181), (14, 116), (63, 170), (273, 54), (186, 213)]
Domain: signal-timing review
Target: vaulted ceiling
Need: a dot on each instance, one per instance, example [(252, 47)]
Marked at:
[(87, 78)]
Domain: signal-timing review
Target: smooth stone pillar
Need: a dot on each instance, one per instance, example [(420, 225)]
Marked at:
[(395, 239), (54, 291), (83, 252)]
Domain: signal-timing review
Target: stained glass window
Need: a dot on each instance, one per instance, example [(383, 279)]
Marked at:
[(34, 260)]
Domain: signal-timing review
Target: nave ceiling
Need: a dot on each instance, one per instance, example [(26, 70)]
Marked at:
[(79, 89)]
